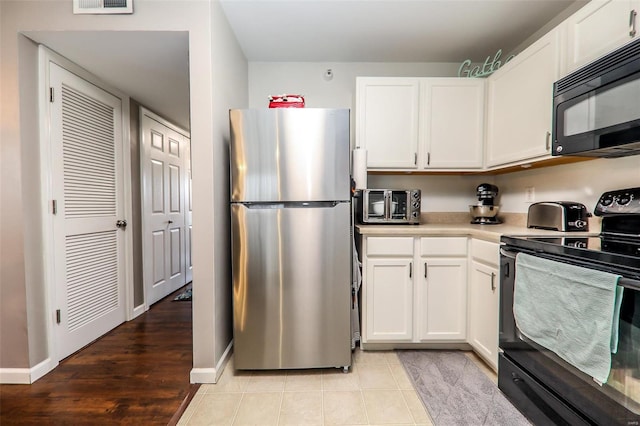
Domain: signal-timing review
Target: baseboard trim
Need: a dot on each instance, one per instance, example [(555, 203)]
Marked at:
[(26, 376), (211, 375), (43, 368), (138, 310), (15, 376)]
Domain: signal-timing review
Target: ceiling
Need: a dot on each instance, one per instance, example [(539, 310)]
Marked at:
[(153, 66), (150, 66), (385, 30)]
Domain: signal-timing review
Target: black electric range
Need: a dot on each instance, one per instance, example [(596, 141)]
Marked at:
[(546, 388)]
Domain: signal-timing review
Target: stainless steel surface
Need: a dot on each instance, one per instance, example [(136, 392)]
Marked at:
[(295, 154), (558, 215), (291, 286), (388, 206), (483, 211), (546, 215), (291, 246)]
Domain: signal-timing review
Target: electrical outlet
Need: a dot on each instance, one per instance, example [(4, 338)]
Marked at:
[(530, 194)]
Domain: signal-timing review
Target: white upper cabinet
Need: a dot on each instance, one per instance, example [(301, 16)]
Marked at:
[(452, 125), (519, 104), (598, 28), (420, 123), (387, 121)]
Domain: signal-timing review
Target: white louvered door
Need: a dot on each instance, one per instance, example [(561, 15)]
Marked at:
[(87, 184), (165, 164)]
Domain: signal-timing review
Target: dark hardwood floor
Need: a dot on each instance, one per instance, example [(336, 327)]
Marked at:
[(136, 374)]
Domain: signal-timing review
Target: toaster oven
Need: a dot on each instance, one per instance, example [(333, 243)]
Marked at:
[(392, 206)]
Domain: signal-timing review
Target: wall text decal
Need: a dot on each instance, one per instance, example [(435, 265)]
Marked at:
[(489, 67)]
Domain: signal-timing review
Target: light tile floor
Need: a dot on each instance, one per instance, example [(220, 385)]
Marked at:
[(376, 391)]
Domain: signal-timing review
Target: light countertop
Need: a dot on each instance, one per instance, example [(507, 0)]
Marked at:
[(438, 227)]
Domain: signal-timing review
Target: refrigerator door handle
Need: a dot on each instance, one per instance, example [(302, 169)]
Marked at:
[(293, 204)]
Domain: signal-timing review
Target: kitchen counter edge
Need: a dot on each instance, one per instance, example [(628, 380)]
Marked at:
[(491, 233)]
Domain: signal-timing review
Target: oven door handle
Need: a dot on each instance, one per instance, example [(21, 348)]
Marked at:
[(629, 283), (509, 254)]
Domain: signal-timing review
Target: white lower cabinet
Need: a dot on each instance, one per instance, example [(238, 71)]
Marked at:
[(389, 300), (484, 295), (441, 281), (414, 289)]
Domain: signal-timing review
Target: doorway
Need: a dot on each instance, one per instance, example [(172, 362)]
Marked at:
[(166, 206), (157, 75)]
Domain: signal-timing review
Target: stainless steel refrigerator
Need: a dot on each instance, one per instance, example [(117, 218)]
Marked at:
[(291, 246)]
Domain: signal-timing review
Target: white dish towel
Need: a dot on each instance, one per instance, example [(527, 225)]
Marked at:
[(570, 310)]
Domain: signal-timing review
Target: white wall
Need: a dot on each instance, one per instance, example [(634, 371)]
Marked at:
[(439, 193), (210, 46), (583, 182), (306, 78)]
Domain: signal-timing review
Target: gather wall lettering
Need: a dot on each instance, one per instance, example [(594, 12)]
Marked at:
[(490, 66)]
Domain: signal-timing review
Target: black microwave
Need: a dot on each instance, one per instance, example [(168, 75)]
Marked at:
[(596, 109)]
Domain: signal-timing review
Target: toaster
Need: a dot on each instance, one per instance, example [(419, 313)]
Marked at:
[(564, 216)]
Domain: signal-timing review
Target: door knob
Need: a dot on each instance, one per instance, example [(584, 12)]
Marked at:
[(121, 224)]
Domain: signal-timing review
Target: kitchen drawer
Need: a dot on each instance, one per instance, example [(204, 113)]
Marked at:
[(485, 251), (443, 246), (389, 246)]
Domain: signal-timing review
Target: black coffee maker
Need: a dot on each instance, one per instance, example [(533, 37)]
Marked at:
[(485, 211)]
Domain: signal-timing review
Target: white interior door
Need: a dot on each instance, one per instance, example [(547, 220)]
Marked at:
[(88, 188), (164, 187)]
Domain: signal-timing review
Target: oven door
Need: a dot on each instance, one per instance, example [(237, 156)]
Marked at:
[(616, 402)]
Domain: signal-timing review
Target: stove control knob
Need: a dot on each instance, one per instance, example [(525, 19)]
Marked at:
[(624, 199), (607, 200), (415, 204), (414, 214)]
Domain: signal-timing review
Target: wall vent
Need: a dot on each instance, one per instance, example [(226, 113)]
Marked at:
[(105, 7)]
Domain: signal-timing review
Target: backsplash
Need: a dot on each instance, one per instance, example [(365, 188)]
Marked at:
[(582, 182)]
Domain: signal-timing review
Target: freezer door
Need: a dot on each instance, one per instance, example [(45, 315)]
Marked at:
[(291, 286), (289, 154)]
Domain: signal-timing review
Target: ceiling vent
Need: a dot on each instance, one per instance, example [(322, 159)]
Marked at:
[(105, 7)]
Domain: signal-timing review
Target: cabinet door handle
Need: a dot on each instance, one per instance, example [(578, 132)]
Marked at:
[(425, 269), (546, 144), (493, 281), (415, 158), (428, 158), (410, 269), (632, 23)]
